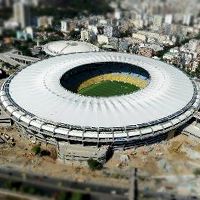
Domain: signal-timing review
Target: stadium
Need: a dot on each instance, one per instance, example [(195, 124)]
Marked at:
[(62, 47), (100, 99)]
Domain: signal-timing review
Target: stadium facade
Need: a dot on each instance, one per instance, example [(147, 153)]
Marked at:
[(43, 101)]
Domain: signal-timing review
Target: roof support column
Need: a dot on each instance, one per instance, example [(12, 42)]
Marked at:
[(98, 139), (83, 137), (113, 135)]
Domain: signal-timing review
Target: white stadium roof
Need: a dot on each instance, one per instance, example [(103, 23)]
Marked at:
[(65, 47), (37, 90)]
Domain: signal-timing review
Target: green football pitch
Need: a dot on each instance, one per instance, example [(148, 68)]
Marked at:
[(108, 88)]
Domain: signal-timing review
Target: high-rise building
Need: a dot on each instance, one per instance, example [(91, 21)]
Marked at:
[(35, 3), (117, 14), (67, 25), (1, 30), (8, 3), (64, 26), (167, 29), (31, 2), (157, 22), (22, 14), (187, 19), (168, 19)]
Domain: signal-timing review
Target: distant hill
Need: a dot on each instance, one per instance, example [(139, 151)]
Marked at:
[(68, 8)]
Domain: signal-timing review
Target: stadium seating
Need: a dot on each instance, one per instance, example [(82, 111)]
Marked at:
[(85, 75)]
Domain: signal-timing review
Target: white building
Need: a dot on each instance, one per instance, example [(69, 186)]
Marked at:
[(193, 45), (168, 19), (35, 2), (10, 24), (93, 29), (22, 14), (187, 19), (139, 37), (194, 66), (138, 23), (64, 26), (117, 14), (44, 21), (102, 39), (85, 36), (157, 22), (68, 25), (29, 31)]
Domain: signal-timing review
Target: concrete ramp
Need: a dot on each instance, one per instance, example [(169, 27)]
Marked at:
[(193, 130)]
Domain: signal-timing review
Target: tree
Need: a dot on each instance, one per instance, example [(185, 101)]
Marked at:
[(74, 35), (76, 196), (197, 72), (94, 164), (36, 149), (24, 49), (197, 172), (69, 8)]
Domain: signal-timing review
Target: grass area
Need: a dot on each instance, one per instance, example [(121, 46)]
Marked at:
[(108, 88), (119, 77)]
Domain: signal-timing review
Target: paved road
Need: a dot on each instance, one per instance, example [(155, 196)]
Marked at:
[(166, 196), (11, 195), (48, 186)]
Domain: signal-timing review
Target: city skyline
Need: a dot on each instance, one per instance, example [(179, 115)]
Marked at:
[(100, 99)]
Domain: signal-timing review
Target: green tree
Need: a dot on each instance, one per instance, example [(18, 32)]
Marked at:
[(94, 164), (36, 149), (196, 172), (76, 196)]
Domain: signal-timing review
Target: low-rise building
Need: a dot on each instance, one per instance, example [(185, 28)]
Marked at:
[(44, 21), (69, 152), (85, 36), (68, 26), (108, 31), (139, 37), (147, 52), (25, 34), (102, 39)]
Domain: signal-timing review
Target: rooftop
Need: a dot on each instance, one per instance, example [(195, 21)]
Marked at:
[(66, 47), (168, 92)]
